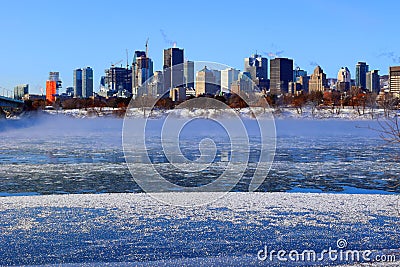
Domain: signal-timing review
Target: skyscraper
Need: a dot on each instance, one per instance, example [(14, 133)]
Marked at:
[(188, 73), (78, 83), (142, 70), (343, 79), (228, 76), (205, 82), (281, 71), (53, 85), (394, 80), (373, 81), (361, 74), (87, 82), (317, 82), (257, 66), (173, 68), (20, 91)]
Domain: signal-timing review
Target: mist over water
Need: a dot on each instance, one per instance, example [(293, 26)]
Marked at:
[(59, 154)]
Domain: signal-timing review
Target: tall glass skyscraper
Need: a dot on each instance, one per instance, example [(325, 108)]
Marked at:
[(361, 74), (87, 82), (78, 83)]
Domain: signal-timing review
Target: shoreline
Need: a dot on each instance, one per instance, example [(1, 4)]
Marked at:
[(346, 113)]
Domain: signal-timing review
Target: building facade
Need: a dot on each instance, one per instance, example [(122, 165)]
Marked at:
[(281, 73), (188, 73), (87, 82), (343, 79), (118, 80), (20, 91), (173, 68), (317, 82), (53, 86), (228, 76), (142, 70), (205, 82), (78, 83), (373, 81), (243, 84), (257, 66), (394, 80), (361, 75)]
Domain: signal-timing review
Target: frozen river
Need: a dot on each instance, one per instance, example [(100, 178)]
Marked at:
[(58, 155), (72, 165)]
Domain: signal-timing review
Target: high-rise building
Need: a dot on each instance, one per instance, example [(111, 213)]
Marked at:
[(301, 79), (51, 89), (53, 86), (20, 91), (317, 82), (257, 66), (394, 80), (205, 82), (155, 86), (87, 82), (243, 84), (142, 70), (373, 81), (361, 74), (118, 79), (78, 83), (173, 68), (343, 79), (188, 73), (281, 73), (228, 76)]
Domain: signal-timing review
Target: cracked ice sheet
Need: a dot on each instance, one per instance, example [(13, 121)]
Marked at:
[(136, 228)]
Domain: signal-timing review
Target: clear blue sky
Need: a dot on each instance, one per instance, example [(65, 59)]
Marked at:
[(42, 35)]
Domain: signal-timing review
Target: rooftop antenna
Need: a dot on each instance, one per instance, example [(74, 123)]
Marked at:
[(147, 47), (127, 60)]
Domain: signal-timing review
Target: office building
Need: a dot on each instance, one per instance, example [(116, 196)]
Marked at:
[(243, 84), (373, 81), (257, 66), (361, 75), (53, 86), (118, 80), (87, 82), (228, 76), (155, 86), (173, 68), (205, 82), (20, 91), (142, 70), (394, 80), (343, 79), (188, 74), (281, 73), (317, 82), (78, 83), (301, 79)]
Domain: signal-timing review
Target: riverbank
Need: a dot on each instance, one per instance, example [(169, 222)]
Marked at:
[(282, 113)]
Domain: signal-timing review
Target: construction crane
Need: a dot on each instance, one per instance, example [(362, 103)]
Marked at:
[(112, 65), (147, 47)]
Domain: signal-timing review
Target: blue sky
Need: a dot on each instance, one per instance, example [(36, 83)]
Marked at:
[(41, 36)]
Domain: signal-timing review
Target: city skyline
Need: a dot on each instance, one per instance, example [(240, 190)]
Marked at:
[(43, 37)]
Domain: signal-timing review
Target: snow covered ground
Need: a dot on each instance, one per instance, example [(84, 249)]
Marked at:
[(136, 230), (349, 113)]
